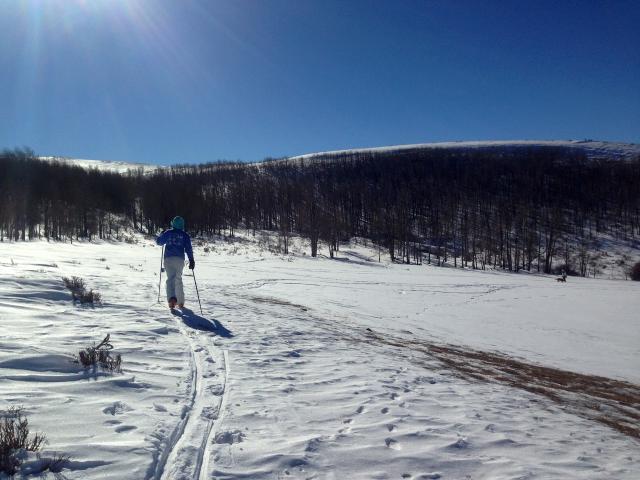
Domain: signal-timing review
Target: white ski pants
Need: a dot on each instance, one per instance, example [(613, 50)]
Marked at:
[(173, 267)]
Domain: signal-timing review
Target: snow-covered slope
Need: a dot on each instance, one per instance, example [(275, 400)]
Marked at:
[(316, 368), (593, 149), (106, 165)]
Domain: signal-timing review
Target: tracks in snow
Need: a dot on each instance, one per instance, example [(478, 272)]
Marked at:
[(204, 467), (187, 451)]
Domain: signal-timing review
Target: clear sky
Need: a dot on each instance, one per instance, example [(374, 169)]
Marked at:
[(192, 81)]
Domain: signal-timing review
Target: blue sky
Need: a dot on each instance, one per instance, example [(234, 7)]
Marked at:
[(183, 81)]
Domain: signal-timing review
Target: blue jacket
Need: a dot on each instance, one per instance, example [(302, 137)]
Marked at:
[(177, 242)]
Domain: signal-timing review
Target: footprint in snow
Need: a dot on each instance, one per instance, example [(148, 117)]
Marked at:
[(313, 445), (360, 409), (385, 410), (116, 408), (235, 436), (125, 428), (210, 413), (391, 443), (460, 443), (216, 390), (421, 379)]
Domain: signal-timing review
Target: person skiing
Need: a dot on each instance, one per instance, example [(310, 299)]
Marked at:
[(177, 242)]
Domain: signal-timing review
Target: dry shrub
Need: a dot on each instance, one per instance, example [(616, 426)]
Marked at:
[(79, 292), (74, 284), (100, 356), (89, 297), (14, 438)]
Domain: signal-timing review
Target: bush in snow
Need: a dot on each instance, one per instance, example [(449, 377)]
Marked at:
[(79, 291), (100, 355), (74, 284), (635, 272), (56, 463), (90, 297), (15, 439)]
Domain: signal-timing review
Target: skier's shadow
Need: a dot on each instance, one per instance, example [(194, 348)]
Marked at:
[(195, 321)]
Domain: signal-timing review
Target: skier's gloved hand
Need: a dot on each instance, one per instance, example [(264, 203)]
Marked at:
[(192, 264)]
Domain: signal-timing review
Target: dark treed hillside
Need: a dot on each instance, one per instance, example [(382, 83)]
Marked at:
[(517, 208)]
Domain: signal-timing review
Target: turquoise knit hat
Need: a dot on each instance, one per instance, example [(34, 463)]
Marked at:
[(178, 223)]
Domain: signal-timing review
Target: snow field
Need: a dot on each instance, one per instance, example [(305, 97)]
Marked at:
[(279, 377)]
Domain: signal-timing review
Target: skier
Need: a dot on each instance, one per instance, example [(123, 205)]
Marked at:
[(177, 242)]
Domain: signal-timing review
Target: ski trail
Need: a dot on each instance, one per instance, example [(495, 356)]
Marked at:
[(177, 433), (186, 453), (204, 469), (179, 430)]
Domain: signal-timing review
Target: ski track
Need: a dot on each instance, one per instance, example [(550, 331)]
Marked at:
[(207, 451), (177, 434), (186, 455)]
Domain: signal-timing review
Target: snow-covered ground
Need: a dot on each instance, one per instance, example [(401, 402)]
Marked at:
[(308, 368)]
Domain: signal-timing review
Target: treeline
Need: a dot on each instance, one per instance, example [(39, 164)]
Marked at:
[(517, 208), (54, 200)]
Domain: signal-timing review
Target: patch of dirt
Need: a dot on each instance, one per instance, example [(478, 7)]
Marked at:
[(273, 301), (612, 402)]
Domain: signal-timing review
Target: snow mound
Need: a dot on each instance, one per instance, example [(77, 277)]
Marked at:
[(43, 363)]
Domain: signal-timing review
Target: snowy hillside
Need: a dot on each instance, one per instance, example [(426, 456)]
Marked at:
[(107, 165), (593, 149), (318, 368)]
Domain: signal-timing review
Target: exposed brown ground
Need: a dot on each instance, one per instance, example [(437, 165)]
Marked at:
[(615, 403), (612, 402)]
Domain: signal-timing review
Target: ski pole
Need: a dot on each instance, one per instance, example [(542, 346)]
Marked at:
[(161, 270), (197, 292)]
